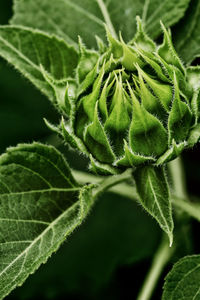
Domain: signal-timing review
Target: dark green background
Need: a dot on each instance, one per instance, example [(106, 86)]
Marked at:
[(109, 255)]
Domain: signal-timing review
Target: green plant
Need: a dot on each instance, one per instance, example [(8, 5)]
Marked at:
[(130, 107)]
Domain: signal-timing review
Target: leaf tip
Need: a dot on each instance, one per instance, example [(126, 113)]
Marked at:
[(171, 239)]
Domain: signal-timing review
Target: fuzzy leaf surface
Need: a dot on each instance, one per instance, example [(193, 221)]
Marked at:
[(29, 51), (182, 282), (186, 33), (152, 188), (40, 205), (68, 18)]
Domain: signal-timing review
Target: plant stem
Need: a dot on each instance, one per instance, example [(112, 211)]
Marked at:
[(126, 190), (112, 181), (122, 189), (178, 178), (192, 209), (161, 258)]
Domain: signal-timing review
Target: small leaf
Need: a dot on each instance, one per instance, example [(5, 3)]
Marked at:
[(182, 282), (69, 136), (162, 91), (87, 61), (86, 106), (141, 38), (102, 169), (167, 51), (174, 151), (153, 191), (132, 159), (40, 205), (130, 57), (152, 60)]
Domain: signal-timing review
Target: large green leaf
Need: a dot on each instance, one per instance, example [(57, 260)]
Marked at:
[(40, 205), (30, 51), (117, 232), (153, 191), (183, 280), (186, 33), (68, 18)]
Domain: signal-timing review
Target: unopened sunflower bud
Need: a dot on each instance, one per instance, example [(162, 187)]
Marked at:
[(135, 103)]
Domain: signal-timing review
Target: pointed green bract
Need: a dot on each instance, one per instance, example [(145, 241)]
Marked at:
[(103, 99), (129, 57), (132, 159), (173, 152), (150, 59), (101, 168), (96, 140), (87, 61), (145, 130), (141, 38), (155, 196), (118, 119), (167, 51), (150, 102), (89, 102), (179, 118), (162, 91)]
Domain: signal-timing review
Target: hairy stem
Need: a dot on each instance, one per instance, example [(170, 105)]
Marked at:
[(160, 259), (112, 181), (126, 190), (120, 188)]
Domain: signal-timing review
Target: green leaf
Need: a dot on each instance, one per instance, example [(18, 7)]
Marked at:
[(95, 251), (186, 33), (182, 282), (30, 51), (69, 19), (40, 205), (153, 191)]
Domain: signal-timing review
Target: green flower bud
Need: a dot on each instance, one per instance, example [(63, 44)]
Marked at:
[(131, 104)]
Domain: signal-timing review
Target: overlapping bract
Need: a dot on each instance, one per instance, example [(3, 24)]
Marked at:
[(130, 104)]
